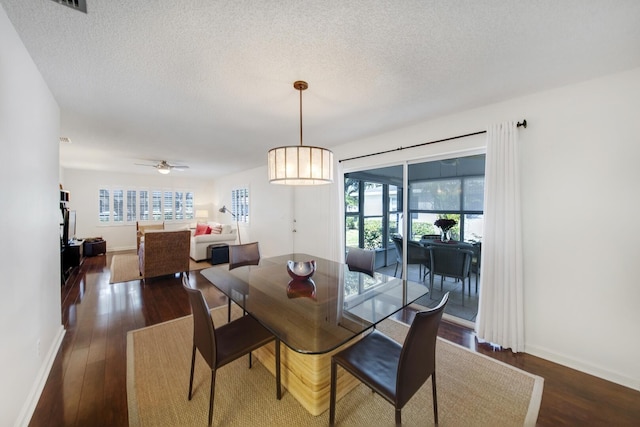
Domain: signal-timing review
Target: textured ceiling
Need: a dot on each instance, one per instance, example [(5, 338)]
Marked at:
[(209, 83)]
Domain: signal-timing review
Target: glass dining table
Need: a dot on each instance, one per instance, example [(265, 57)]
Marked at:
[(313, 318)]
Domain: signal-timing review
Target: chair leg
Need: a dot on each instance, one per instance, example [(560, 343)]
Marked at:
[(435, 398), (431, 284), (395, 272), (278, 384), (332, 397), (213, 386), (193, 363), (398, 417), (229, 312)]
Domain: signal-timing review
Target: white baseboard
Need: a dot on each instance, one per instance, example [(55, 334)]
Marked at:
[(122, 248), (458, 321), (579, 365), (41, 379), (582, 366)]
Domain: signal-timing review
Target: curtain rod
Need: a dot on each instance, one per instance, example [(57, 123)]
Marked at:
[(522, 123)]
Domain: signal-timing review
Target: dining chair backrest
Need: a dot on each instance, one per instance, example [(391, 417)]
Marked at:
[(418, 356), (204, 337), (362, 260), (245, 254), (450, 261)]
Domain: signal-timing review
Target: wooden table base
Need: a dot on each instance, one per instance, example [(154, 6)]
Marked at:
[(307, 376)]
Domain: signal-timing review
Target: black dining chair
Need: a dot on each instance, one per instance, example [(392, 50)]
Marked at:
[(451, 261), (362, 260), (239, 256), (245, 254), (222, 345), (395, 371)]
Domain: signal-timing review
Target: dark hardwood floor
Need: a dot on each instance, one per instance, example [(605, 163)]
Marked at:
[(87, 384)]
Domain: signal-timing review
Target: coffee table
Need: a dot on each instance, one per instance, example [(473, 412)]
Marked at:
[(313, 319)]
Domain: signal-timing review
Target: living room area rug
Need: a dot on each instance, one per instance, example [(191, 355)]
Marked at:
[(124, 267), (473, 389)]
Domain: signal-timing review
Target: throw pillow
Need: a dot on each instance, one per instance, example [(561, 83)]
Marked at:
[(216, 230), (208, 230), (201, 229)]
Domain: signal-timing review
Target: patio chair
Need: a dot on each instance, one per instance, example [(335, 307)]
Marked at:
[(416, 254), (450, 261), (476, 260)]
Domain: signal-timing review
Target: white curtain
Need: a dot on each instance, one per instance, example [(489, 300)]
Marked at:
[(500, 311), (336, 222)]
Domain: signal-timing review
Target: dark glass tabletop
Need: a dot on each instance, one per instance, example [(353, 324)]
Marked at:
[(320, 314)]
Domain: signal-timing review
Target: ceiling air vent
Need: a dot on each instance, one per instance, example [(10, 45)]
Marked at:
[(80, 5)]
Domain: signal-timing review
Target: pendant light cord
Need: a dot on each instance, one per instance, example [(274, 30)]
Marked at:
[(300, 90)]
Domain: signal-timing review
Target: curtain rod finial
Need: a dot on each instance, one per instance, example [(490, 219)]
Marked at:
[(523, 123)]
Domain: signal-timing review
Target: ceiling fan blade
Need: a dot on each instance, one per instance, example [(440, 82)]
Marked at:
[(163, 165)]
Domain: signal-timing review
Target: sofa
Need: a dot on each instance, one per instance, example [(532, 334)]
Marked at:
[(164, 252), (199, 243)]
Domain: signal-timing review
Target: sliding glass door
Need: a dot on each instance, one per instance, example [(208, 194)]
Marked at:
[(450, 188), (373, 210)]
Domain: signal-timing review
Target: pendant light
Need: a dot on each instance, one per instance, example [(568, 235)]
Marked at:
[(300, 164)]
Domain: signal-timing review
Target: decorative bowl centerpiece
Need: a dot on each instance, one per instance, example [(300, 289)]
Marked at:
[(301, 270)]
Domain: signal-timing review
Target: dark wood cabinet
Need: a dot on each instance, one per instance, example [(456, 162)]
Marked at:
[(71, 257)]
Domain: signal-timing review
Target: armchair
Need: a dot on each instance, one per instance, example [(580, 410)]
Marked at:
[(163, 253), (141, 228)]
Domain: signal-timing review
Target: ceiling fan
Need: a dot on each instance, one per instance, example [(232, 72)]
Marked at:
[(164, 167)]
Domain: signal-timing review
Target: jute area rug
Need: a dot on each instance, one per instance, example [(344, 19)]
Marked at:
[(124, 267), (473, 390)]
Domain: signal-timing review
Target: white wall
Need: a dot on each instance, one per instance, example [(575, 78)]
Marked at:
[(579, 175), (30, 321), (270, 210), (84, 185), (580, 202)]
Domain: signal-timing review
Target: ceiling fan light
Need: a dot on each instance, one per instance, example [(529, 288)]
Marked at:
[(164, 171)]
